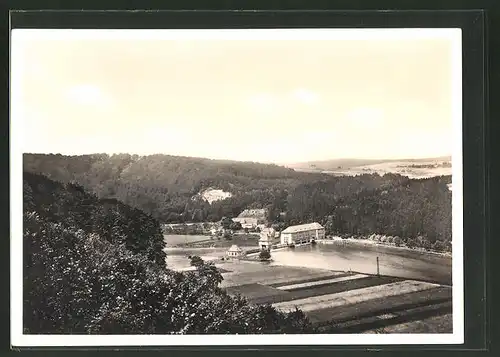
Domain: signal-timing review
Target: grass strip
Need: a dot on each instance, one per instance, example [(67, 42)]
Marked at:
[(326, 290), (310, 280), (391, 304), (319, 283), (253, 291), (353, 296), (380, 321), (433, 324)]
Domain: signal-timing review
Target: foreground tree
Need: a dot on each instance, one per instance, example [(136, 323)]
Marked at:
[(78, 281)]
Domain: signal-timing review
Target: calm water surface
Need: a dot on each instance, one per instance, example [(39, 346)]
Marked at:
[(350, 256), (363, 258)]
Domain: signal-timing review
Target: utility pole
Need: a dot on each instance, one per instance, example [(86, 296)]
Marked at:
[(378, 269)]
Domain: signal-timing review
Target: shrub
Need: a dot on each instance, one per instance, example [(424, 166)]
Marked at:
[(411, 243), (264, 254)]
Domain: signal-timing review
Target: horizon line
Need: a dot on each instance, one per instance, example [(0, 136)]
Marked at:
[(279, 163)]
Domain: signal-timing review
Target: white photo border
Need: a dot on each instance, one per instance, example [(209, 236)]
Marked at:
[(18, 339)]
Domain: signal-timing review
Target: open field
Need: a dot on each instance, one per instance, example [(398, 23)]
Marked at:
[(273, 274), (395, 168), (385, 320), (318, 283), (412, 168), (434, 324), (345, 302), (205, 241), (353, 296), (381, 305), (173, 240), (242, 240), (301, 296), (255, 291)]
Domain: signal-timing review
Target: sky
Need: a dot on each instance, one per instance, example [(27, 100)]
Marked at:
[(260, 98)]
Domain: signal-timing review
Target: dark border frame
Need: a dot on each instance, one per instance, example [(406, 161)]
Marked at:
[(473, 25)]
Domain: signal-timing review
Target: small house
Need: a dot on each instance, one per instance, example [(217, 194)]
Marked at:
[(234, 252)]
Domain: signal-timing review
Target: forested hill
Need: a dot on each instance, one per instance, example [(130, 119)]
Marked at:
[(70, 205), (172, 173), (418, 212), (165, 185), (95, 266)]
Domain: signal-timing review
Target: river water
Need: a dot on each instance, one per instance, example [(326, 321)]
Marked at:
[(343, 256)]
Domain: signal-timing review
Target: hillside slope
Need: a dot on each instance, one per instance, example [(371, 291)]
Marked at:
[(170, 187), (71, 206)]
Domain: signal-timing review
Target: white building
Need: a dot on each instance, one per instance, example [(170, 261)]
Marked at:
[(304, 233), (234, 251), (266, 238)]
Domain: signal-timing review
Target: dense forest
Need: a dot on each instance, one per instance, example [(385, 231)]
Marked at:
[(98, 266), (416, 211), (165, 186)]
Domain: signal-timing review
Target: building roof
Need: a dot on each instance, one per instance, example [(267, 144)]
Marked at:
[(303, 227), (235, 248)]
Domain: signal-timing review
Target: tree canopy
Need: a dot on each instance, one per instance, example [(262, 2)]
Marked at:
[(83, 273)]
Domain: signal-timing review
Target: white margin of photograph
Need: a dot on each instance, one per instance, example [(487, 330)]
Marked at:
[(18, 339)]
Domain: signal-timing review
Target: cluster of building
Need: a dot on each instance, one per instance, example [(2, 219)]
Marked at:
[(291, 236), (299, 234), (270, 238), (252, 218)]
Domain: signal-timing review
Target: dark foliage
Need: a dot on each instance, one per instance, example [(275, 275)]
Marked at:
[(415, 211), (166, 186), (83, 273), (112, 220)]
